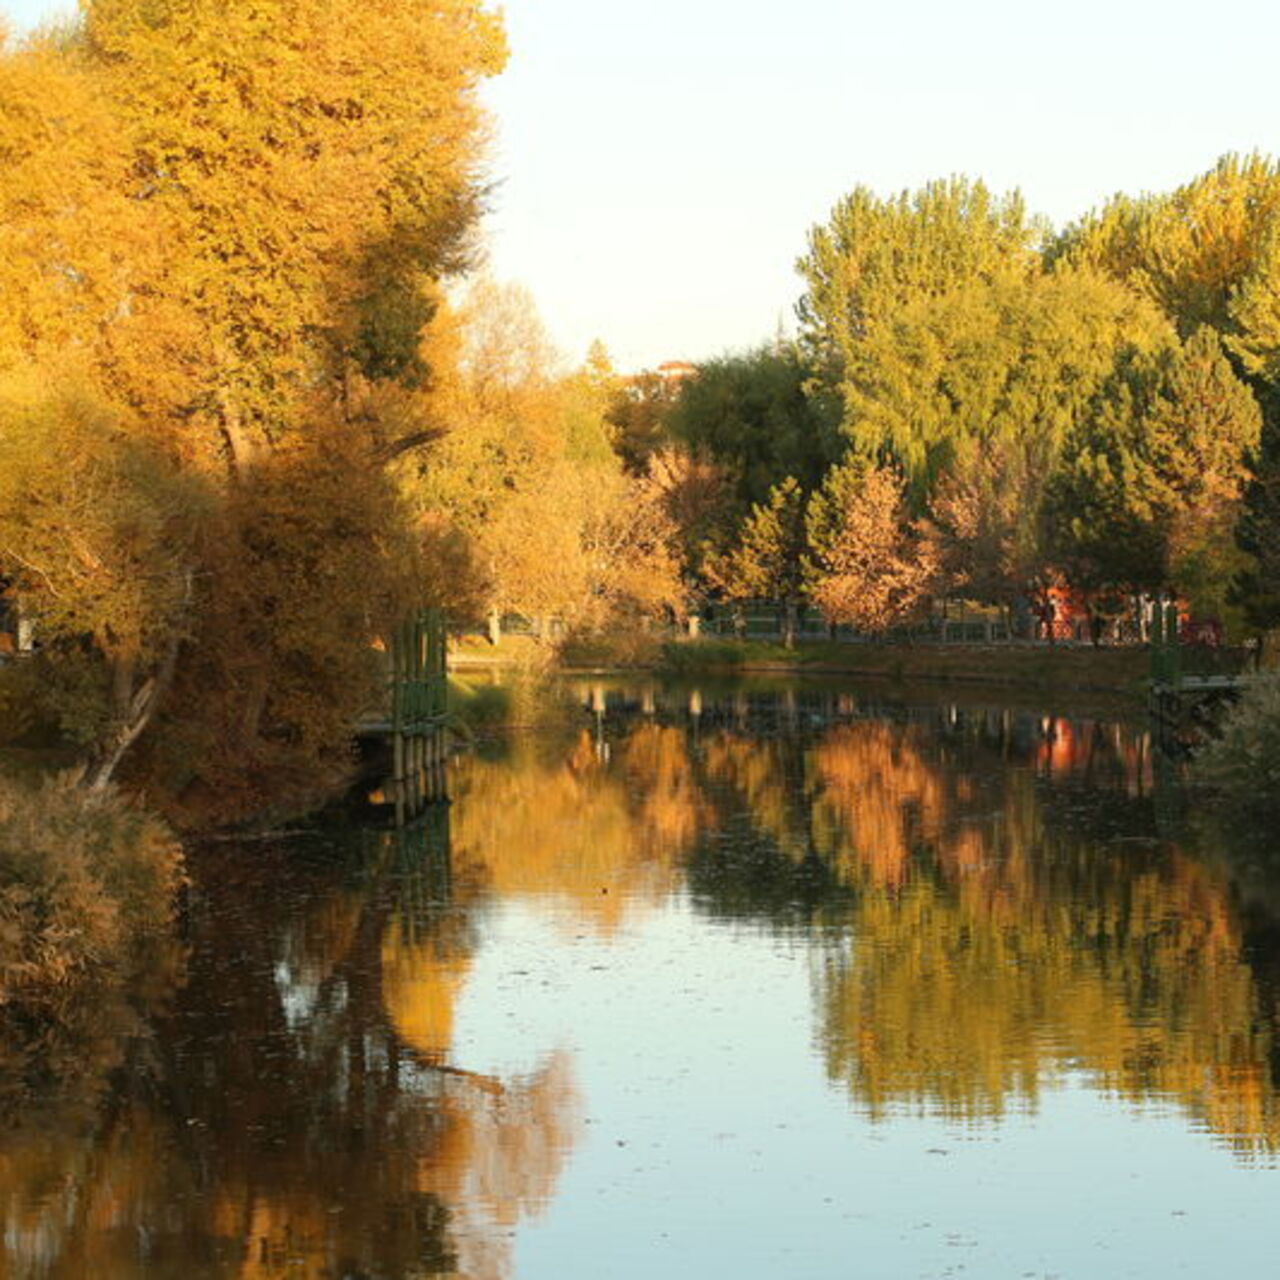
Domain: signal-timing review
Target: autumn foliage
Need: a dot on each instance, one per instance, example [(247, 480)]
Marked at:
[(85, 880), (224, 236), (877, 567)]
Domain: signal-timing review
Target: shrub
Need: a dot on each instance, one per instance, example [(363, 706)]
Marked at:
[(1244, 764), (85, 879), (46, 699)]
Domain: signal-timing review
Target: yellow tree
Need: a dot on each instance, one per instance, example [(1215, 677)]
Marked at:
[(1189, 250), (873, 566), (237, 218), (286, 147), (101, 533), (527, 475), (83, 263)]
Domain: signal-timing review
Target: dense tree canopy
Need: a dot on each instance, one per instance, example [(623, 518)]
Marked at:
[(246, 422), (1191, 250), (751, 414), (528, 476), (875, 256), (1151, 494), (1065, 413), (222, 237)]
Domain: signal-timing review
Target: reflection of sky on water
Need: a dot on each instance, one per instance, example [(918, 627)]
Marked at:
[(715, 1144)]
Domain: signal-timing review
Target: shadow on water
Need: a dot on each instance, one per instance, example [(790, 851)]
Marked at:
[(990, 897)]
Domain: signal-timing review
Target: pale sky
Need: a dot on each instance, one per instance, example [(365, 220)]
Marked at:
[(659, 164)]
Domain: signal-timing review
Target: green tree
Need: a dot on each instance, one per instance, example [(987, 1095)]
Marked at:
[(1207, 253), (1190, 250), (637, 414), (1255, 313), (875, 256), (767, 562), (1012, 364), (1256, 588), (974, 395), (1151, 493), (750, 414)]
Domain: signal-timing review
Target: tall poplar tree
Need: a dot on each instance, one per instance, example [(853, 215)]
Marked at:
[(874, 257), (298, 155), (1190, 250), (1207, 254)]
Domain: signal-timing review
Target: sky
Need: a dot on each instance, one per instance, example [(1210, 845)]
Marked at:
[(658, 166)]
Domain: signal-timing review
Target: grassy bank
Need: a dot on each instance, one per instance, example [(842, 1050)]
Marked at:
[(625, 649), (483, 704), (1028, 666), (1023, 666)]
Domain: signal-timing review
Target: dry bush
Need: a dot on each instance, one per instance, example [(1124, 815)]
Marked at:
[(85, 878)]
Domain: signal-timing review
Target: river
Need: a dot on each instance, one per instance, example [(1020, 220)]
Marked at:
[(787, 980)]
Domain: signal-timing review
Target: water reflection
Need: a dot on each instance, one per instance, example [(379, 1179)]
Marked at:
[(1006, 911), (981, 893), (297, 1112), (601, 833), (994, 906)]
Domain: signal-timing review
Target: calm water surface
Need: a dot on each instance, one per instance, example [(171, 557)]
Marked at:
[(783, 983)]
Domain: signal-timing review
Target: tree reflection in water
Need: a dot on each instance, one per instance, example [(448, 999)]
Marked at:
[(1004, 910), (295, 1113), (983, 893)]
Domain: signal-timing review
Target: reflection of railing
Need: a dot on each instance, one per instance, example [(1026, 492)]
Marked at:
[(1185, 709)]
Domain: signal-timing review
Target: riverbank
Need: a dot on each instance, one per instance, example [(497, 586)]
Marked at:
[(1049, 668)]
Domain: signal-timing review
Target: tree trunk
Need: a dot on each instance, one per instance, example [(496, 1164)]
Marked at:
[(255, 704), (135, 709), (239, 446), (789, 624), (495, 627), (138, 712), (123, 670)]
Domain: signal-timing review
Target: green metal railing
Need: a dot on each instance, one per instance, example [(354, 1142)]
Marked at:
[(418, 680), (1166, 651)]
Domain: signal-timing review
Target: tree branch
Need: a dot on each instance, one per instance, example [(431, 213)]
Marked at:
[(415, 440), (34, 568)]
